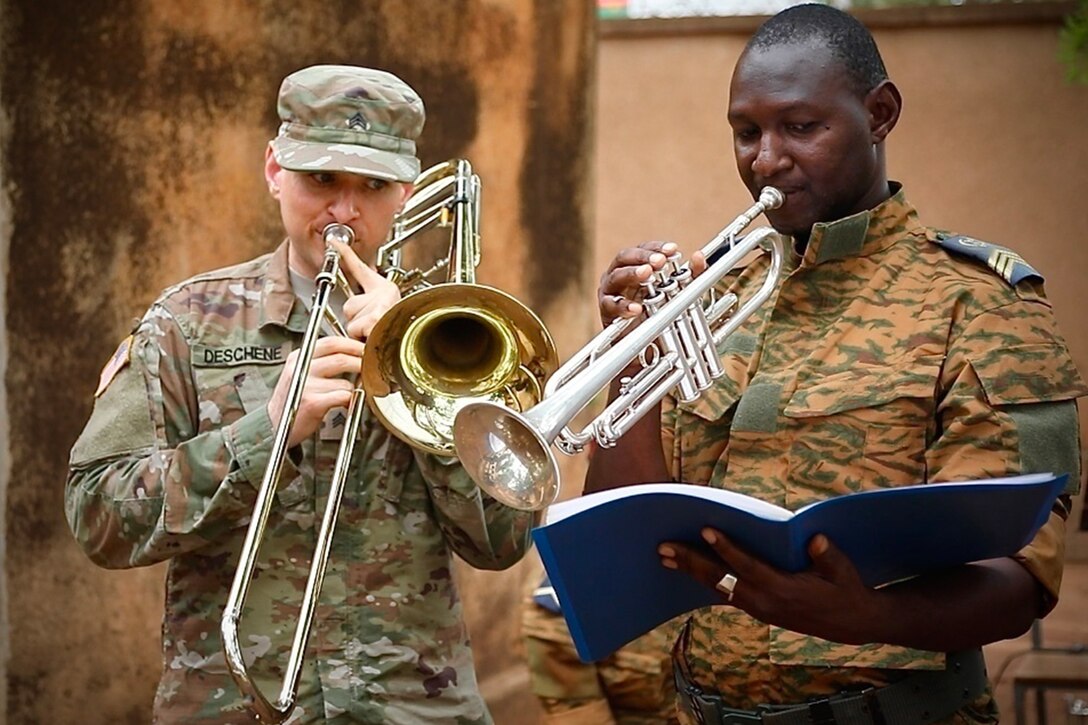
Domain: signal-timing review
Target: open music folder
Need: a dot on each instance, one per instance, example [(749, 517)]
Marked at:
[(600, 550)]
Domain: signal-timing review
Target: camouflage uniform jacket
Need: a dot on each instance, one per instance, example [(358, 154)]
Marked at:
[(881, 360), (168, 468)]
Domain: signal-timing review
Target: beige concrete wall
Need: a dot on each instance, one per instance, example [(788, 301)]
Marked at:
[(133, 137), (993, 142)]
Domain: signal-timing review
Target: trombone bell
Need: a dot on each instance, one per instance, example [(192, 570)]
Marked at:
[(446, 345), (458, 350)]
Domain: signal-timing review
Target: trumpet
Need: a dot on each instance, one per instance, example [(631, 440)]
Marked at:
[(508, 452), (442, 345)]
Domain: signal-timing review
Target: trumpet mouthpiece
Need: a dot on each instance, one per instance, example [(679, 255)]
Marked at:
[(771, 198), (338, 233)]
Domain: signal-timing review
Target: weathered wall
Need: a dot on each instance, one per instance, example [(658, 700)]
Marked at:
[(133, 135), (991, 143)]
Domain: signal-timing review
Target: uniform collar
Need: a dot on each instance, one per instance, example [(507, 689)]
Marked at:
[(278, 300), (864, 233)]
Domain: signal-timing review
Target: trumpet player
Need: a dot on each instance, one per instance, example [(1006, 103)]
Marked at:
[(889, 354), (168, 465)]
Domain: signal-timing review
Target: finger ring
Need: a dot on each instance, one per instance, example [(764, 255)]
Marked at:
[(726, 585)]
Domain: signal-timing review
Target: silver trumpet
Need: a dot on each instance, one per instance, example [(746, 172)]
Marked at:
[(508, 453)]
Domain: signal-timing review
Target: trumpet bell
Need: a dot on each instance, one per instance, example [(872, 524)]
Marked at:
[(506, 455), (444, 347), (676, 344)]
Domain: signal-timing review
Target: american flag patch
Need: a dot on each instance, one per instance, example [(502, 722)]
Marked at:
[(119, 360)]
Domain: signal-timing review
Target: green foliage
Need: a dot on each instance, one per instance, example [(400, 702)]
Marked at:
[(1073, 44)]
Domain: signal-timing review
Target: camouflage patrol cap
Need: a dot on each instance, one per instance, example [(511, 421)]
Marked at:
[(346, 118)]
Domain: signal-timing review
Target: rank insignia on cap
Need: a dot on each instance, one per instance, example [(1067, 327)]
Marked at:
[(116, 363), (1007, 263), (358, 123)]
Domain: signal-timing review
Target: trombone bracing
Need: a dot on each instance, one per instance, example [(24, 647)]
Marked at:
[(508, 452), (442, 345)]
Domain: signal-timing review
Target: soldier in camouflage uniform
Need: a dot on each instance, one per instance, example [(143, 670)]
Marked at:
[(168, 465), (633, 686), (890, 354)]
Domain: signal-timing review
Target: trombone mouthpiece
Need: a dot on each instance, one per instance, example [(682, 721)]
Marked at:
[(338, 233), (771, 198)]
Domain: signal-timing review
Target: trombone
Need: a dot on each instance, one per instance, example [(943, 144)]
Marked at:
[(449, 344), (442, 345), (508, 452)]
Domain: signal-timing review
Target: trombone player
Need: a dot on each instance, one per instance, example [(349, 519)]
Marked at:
[(168, 466)]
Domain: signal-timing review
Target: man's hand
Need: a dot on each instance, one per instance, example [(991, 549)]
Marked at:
[(336, 362), (619, 293), (828, 600), (378, 294)]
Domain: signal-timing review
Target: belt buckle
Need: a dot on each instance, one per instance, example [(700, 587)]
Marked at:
[(870, 701), (820, 710)]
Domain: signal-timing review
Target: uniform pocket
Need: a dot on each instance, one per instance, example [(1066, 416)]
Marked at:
[(861, 429), (218, 402)]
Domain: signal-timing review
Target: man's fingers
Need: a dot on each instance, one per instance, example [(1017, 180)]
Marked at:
[(336, 344), (698, 264), (358, 271), (704, 568), (329, 366), (736, 558), (829, 561)]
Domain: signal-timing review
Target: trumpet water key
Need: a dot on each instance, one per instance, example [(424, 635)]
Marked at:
[(508, 452)]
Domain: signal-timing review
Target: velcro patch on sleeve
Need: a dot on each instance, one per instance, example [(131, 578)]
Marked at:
[(116, 363)]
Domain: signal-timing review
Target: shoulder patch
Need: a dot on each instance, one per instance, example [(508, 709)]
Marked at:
[(1009, 265), (116, 363)]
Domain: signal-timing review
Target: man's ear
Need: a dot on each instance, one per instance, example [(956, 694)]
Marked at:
[(884, 104), (272, 171), (407, 187)]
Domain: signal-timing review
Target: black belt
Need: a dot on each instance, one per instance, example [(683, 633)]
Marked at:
[(923, 696)]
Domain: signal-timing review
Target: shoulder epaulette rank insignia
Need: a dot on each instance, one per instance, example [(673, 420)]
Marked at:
[(1007, 263)]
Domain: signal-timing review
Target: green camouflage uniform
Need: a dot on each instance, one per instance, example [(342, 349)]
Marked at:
[(167, 469), (882, 360)]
